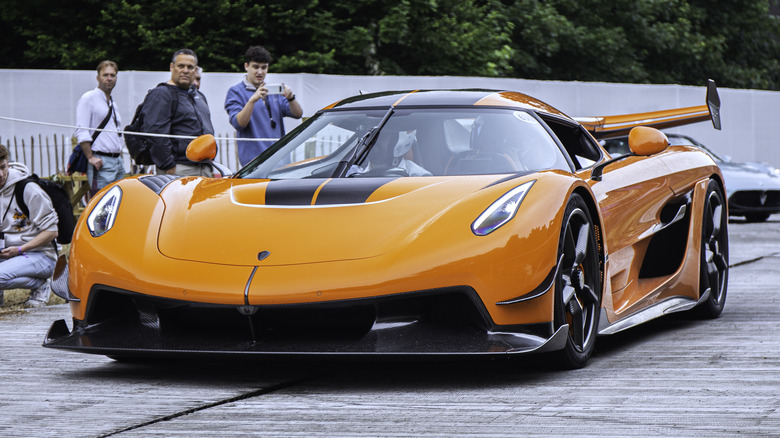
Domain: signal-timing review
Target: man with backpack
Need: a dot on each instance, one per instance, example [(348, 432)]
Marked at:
[(103, 150), (176, 108), (29, 251)]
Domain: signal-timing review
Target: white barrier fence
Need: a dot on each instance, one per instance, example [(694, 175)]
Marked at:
[(47, 156), (750, 128)]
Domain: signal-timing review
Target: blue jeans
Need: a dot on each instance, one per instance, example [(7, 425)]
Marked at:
[(27, 271), (112, 170)]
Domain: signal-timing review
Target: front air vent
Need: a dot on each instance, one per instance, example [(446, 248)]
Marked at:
[(157, 182)]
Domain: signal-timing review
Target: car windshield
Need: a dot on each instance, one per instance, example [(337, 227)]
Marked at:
[(412, 142)]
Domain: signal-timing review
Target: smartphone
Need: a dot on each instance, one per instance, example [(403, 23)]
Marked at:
[(274, 88)]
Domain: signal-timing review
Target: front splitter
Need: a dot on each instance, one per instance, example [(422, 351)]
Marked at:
[(120, 339)]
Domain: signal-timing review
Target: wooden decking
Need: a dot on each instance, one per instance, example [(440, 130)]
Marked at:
[(677, 376)]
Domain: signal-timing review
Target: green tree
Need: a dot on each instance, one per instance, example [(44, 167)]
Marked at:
[(329, 36), (42, 34), (643, 41), (647, 41), (409, 37)]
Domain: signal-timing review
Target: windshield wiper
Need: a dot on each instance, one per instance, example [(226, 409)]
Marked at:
[(362, 148)]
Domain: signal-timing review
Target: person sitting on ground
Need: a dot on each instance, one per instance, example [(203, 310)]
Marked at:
[(29, 252)]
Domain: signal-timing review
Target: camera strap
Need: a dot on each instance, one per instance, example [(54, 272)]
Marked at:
[(270, 116)]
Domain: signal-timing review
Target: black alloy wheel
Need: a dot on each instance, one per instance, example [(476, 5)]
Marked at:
[(714, 270), (578, 284)]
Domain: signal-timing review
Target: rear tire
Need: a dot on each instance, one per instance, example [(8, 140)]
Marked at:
[(757, 217), (714, 265), (578, 284)]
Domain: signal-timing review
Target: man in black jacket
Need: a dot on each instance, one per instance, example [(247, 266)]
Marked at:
[(177, 108)]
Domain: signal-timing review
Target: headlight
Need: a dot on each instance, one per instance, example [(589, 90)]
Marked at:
[(501, 211), (102, 217)]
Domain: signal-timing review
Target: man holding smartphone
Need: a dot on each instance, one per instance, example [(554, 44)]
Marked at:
[(256, 109)]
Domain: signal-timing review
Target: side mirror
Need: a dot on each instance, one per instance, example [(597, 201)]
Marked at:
[(643, 141), (202, 148)]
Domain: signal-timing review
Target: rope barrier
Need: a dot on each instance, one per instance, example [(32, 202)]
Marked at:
[(147, 134)]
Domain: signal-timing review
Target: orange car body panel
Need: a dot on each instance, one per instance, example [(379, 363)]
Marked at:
[(647, 184), (168, 246), (362, 264)]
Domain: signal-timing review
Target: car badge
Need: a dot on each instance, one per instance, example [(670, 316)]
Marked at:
[(247, 310), (762, 198)]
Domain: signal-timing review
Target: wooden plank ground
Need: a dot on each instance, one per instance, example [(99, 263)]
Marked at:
[(673, 377)]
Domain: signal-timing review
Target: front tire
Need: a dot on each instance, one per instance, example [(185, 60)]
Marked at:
[(714, 265), (578, 284)]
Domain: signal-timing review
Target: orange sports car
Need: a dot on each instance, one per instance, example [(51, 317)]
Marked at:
[(428, 222)]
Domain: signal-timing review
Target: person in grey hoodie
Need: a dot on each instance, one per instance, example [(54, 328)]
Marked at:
[(29, 251)]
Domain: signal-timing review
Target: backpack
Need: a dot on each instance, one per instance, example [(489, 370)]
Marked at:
[(138, 145), (59, 200), (77, 162)]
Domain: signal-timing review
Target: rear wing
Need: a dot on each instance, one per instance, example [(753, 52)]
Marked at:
[(614, 126)]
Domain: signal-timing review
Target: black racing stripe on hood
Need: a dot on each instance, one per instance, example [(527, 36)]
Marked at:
[(349, 191), (291, 191)]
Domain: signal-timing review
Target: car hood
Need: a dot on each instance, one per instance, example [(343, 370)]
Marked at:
[(283, 222)]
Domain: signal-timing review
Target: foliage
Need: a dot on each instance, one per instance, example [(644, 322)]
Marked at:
[(648, 41), (642, 41)]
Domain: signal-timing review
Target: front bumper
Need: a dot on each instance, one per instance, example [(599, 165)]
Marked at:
[(428, 323), (754, 201)]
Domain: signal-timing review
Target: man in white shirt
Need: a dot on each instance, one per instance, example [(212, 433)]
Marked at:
[(103, 149)]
